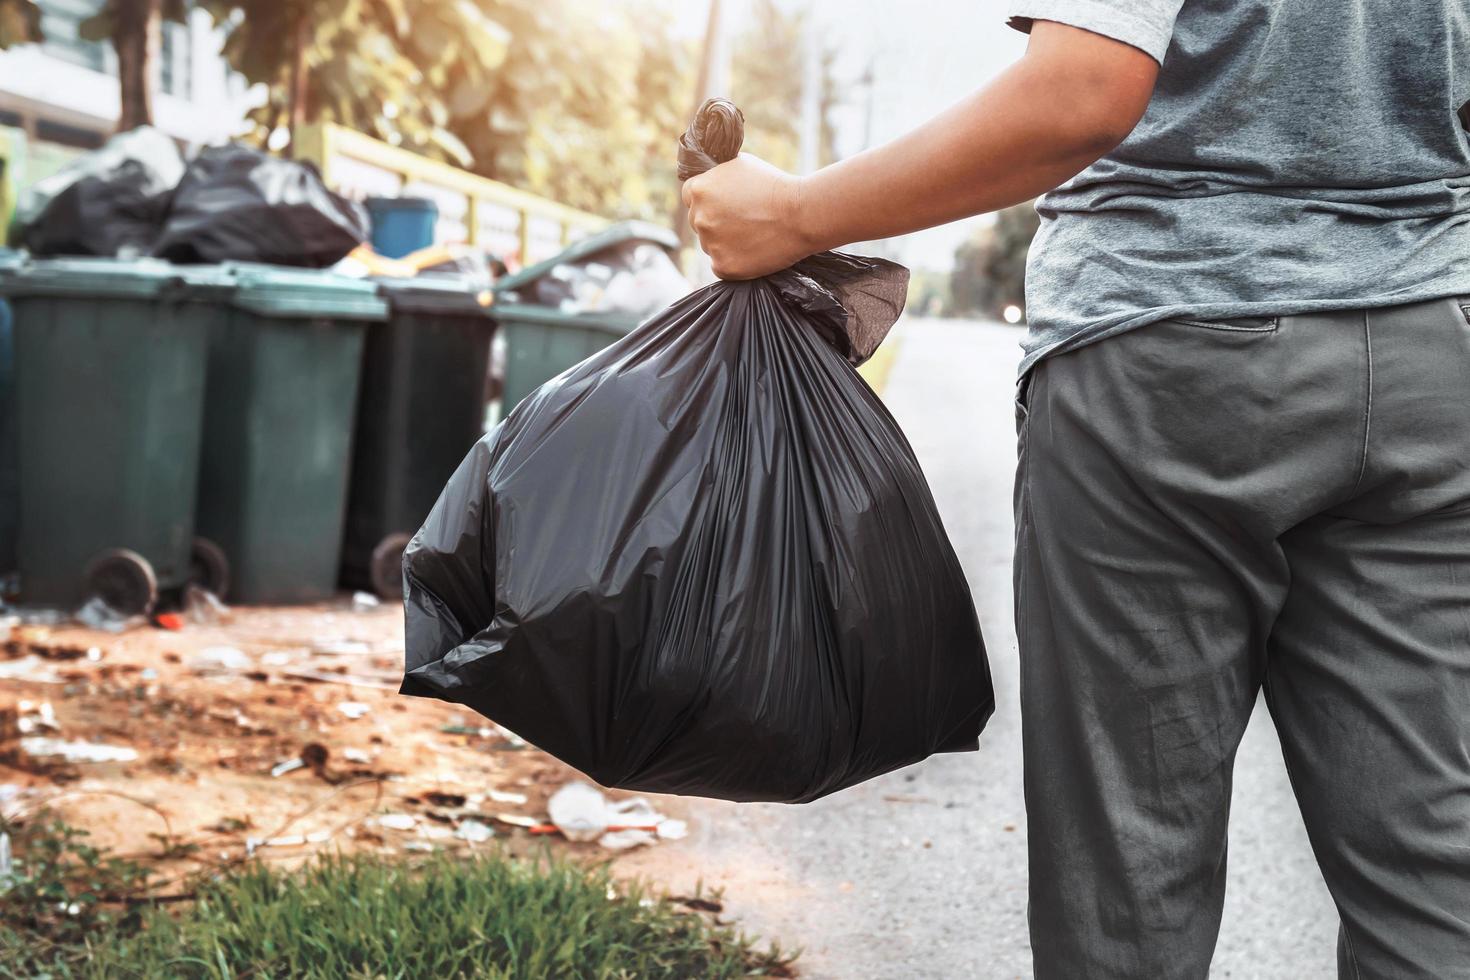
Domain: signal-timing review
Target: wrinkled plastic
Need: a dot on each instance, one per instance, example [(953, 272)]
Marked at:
[(633, 277), (108, 202), (705, 560), (238, 203)]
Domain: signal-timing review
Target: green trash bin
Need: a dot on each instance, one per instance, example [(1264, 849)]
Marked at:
[(420, 409), (283, 371), (107, 390), (559, 312)]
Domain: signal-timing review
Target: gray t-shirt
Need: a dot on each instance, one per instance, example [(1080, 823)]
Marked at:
[(1297, 156)]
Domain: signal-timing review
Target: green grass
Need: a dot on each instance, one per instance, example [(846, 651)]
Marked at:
[(495, 917)]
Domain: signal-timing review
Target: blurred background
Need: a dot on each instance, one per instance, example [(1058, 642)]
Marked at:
[(576, 101)]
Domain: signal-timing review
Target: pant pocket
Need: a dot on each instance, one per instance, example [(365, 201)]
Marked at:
[(1234, 324)]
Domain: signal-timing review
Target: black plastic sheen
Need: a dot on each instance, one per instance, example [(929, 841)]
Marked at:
[(705, 560)]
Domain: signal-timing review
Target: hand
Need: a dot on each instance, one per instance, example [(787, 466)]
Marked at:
[(745, 213)]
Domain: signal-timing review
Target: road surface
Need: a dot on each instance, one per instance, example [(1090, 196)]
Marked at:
[(922, 873)]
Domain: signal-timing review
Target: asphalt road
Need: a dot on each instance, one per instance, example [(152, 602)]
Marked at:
[(922, 874)]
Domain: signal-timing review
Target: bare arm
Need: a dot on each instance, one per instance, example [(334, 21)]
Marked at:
[(1072, 98)]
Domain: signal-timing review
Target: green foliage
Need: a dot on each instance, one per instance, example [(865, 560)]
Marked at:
[(389, 68), (103, 25), (928, 293), (61, 893), (20, 23), (493, 917), (587, 106), (766, 81), (990, 269)]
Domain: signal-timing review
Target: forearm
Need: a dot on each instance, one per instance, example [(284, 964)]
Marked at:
[(1038, 124)]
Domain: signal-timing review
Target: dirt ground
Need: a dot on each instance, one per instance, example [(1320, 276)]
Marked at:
[(213, 708)]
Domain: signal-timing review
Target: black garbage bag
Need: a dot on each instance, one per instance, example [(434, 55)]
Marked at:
[(239, 203), (705, 560), (108, 202)]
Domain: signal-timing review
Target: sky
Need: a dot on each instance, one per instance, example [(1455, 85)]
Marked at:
[(925, 57)]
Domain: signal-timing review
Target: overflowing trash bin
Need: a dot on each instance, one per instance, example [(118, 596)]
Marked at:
[(283, 371), (107, 392), (9, 477), (420, 408), (559, 312)]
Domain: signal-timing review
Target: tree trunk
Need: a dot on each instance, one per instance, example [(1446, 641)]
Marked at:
[(299, 79), (137, 38)]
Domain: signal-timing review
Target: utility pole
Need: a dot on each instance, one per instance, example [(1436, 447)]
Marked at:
[(809, 144)]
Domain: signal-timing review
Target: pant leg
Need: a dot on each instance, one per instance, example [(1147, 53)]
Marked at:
[(1157, 471), (1369, 663)]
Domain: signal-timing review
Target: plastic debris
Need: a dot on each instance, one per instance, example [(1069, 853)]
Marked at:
[(289, 765), (29, 668), (364, 601), (670, 829), (579, 811), (517, 820), (204, 607), (252, 844), (215, 661), (356, 755), (474, 831), (582, 813), (353, 709), (398, 821), (34, 717), (7, 864), (96, 614), (341, 648), (43, 747), (500, 796)]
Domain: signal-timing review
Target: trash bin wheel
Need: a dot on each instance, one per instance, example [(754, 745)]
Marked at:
[(387, 567), (208, 567), (124, 580)]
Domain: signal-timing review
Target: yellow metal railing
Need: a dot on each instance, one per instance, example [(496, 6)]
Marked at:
[(472, 208)]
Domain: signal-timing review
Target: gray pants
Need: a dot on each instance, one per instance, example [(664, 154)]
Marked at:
[(1203, 509)]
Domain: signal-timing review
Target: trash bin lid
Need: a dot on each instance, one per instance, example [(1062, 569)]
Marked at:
[(613, 323), (102, 277), (434, 293), (591, 245), (284, 291), (206, 282)]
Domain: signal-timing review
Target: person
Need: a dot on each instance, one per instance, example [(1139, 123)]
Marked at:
[(1244, 418)]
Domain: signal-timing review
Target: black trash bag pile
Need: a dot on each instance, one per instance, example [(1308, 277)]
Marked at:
[(705, 560), (239, 203), (108, 203)]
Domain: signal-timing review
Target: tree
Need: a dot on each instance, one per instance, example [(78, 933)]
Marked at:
[(135, 28), (587, 106), (990, 268), (765, 81), (20, 23), (392, 69)]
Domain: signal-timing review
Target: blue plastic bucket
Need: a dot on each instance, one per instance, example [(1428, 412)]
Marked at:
[(402, 224)]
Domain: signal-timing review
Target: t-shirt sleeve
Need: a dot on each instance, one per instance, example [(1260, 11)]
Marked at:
[(1145, 24)]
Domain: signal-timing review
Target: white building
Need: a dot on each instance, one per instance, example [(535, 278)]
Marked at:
[(63, 93)]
